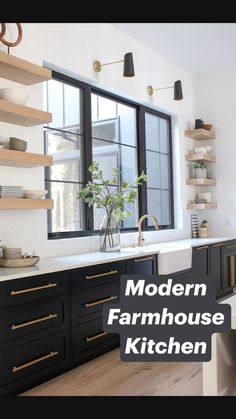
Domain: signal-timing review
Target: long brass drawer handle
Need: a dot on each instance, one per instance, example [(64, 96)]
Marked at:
[(142, 259), (95, 303), (34, 289), (202, 247), (96, 336), (99, 275), (231, 245), (36, 361), (41, 319), (217, 245)]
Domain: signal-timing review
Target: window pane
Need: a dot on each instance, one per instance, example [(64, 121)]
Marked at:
[(159, 205), (164, 171), (64, 104), (164, 133), (55, 102), (165, 208), (127, 124), (113, 121), (106, 108), (112, 156), (151, 132), (108, 156), (153, 170), (67, 212), (72, 106), (133, 220), (66, 151)]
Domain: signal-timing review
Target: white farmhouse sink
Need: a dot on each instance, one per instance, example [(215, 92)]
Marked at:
[(174, 260)]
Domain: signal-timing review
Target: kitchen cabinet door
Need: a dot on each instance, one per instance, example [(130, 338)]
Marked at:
[(143, 265), (200, 260), (215, 267), (229, 268)]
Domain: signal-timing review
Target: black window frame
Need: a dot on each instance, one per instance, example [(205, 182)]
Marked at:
[(141, 109)]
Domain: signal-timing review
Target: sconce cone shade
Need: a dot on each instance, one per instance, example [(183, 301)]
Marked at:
[(178, 94), (128, 65)]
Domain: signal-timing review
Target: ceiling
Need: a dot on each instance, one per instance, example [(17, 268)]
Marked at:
[(198, 47)]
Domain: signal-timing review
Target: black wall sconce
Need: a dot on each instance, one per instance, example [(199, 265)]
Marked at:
[(178, 94), (128, 70)]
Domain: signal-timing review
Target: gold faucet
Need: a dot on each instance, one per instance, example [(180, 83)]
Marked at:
[(140, 235)]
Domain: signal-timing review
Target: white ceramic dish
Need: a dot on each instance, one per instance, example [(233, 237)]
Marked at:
[(18, 95), (35, 194)]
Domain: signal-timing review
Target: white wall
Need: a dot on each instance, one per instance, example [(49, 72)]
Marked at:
[(216, 103), (74, 47)]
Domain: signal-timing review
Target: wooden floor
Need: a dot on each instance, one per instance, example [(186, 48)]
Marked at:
[(108, 376)]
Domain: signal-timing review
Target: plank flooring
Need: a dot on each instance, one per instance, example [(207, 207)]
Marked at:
[(109, 376)]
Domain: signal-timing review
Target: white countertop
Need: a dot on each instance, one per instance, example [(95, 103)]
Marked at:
[(62, 263)]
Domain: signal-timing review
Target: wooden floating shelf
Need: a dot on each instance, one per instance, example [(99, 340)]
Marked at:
[(22, 71), (200, 156), (199, 134), (22, 115), (193, 205), (21, 203), (201, 182), (23, 159)]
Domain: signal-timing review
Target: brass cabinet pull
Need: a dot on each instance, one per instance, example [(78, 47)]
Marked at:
[(36, 361), (142, 259), (34, 289), (232, 271), (99, 275), (96, 336), (95, 303), (230, 246), (217, 245), (42, 319), (202, 247)]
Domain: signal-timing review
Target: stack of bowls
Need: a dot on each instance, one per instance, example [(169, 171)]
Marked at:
[(17, 144), (12, 253)]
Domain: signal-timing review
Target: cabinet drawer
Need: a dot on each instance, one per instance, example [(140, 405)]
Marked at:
[(32, 288), (28, 318), (90, 300), (146, 265), (38, 358), (96, 275), (88, 335)]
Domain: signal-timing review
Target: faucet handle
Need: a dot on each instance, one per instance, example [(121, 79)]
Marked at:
[(142, 238)]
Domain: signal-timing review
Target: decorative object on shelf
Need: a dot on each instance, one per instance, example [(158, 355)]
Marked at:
[(35, 194), (178, 94), (203, 150), (113, 200), (11, 191), (19, 263), (205, 195), (203, 230), (194, 225), (17, 95), (8, 43), (11, 252), (208, 127), (128, 70), (199, 123), (200, 170), (17, 144)]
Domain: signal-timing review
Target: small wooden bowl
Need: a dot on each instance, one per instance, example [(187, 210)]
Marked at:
[(207, 126)]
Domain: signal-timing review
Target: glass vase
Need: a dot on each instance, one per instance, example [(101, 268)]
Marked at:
[(109, 239)]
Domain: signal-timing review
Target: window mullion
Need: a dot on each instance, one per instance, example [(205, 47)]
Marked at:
[(87, 146), (142, 190)]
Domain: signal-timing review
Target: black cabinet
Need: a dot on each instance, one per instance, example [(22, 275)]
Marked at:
[(142, 265), (229, 267), (200, 260), (215, 267), (91, 288)]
